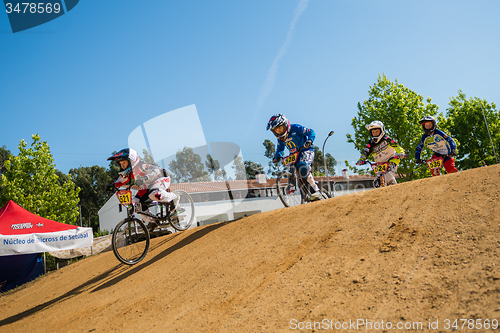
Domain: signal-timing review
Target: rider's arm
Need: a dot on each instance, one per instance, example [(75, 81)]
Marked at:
[(367, 151), (307, 133), (420, 146), (121, 181), (279, 150)]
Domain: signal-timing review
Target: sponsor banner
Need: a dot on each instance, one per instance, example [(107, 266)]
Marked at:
[(45, 242)]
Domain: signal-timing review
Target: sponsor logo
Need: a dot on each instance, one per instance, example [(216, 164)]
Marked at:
[(20, 226)]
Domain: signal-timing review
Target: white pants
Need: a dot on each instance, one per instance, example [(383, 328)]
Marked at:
[(159, 190), (390, 176)]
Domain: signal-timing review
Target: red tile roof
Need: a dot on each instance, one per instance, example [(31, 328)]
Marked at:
[(201, 187)]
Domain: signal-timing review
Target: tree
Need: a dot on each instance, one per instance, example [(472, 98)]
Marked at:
[(30, 180), (252, 168), (187, 167), (318, 164), (214, 170), (92, 181), (148, 158), (466, 125), (274, 168), (400, 109), (4, 156), (239, 168)]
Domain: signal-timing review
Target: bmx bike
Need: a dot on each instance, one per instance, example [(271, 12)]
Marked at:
[(131, 237), (379, 168), (292, 189)]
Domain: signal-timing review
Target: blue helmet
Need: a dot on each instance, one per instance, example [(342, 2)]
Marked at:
[(279, 125), (123, 155)]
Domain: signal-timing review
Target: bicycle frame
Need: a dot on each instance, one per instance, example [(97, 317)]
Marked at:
[(125, 198), (124, 195)]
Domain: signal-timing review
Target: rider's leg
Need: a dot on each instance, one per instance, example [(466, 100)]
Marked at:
[(449, 164), (159, 193), (139, 202), (390, 176), (305, 173)]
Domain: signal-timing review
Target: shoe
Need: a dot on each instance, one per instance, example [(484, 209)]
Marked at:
[(316, 196), (152, 226), (177, 212)]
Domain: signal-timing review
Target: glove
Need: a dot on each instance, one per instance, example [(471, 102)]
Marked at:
[(360, 162), (401, 156), (109, 187), (418, 161), (308, 144), (453, 153)]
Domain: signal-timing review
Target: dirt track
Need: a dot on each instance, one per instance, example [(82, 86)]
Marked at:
[(419, 251)]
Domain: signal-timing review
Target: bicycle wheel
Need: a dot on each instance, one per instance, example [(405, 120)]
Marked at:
[(185, 206), (130, 241), (288, 189)]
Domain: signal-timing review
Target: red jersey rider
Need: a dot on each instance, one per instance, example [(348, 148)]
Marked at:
[(150, 181)]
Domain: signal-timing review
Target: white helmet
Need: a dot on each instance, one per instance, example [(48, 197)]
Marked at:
[(377, 124)]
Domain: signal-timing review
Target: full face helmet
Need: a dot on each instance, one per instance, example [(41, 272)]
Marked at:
[(428, 119), (279, 125), (377, 124), (126, 154)]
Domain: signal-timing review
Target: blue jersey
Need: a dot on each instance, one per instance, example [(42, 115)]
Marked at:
[(295, 140), (439, 142)]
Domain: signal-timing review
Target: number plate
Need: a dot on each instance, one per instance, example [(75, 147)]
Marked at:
[(125, 197), (290, 159), (380, 168), (435, 164)]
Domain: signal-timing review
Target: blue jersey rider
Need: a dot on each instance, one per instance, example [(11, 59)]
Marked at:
[(441, 144), (294, 137)]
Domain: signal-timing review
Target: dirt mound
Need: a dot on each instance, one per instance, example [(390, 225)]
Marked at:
[(423, 252)]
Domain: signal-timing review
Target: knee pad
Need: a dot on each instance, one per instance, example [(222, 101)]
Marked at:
[(303, 169)]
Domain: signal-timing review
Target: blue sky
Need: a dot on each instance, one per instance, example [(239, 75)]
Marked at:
[(86, 80)]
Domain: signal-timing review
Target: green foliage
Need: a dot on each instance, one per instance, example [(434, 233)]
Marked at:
[(148, 158), (274, 169), (214, 169), (30, 180), (93, 195), (400, 109), (187, 167), (466, 125), (100, 233), (4, 156), (318, 164), (252, 168)]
